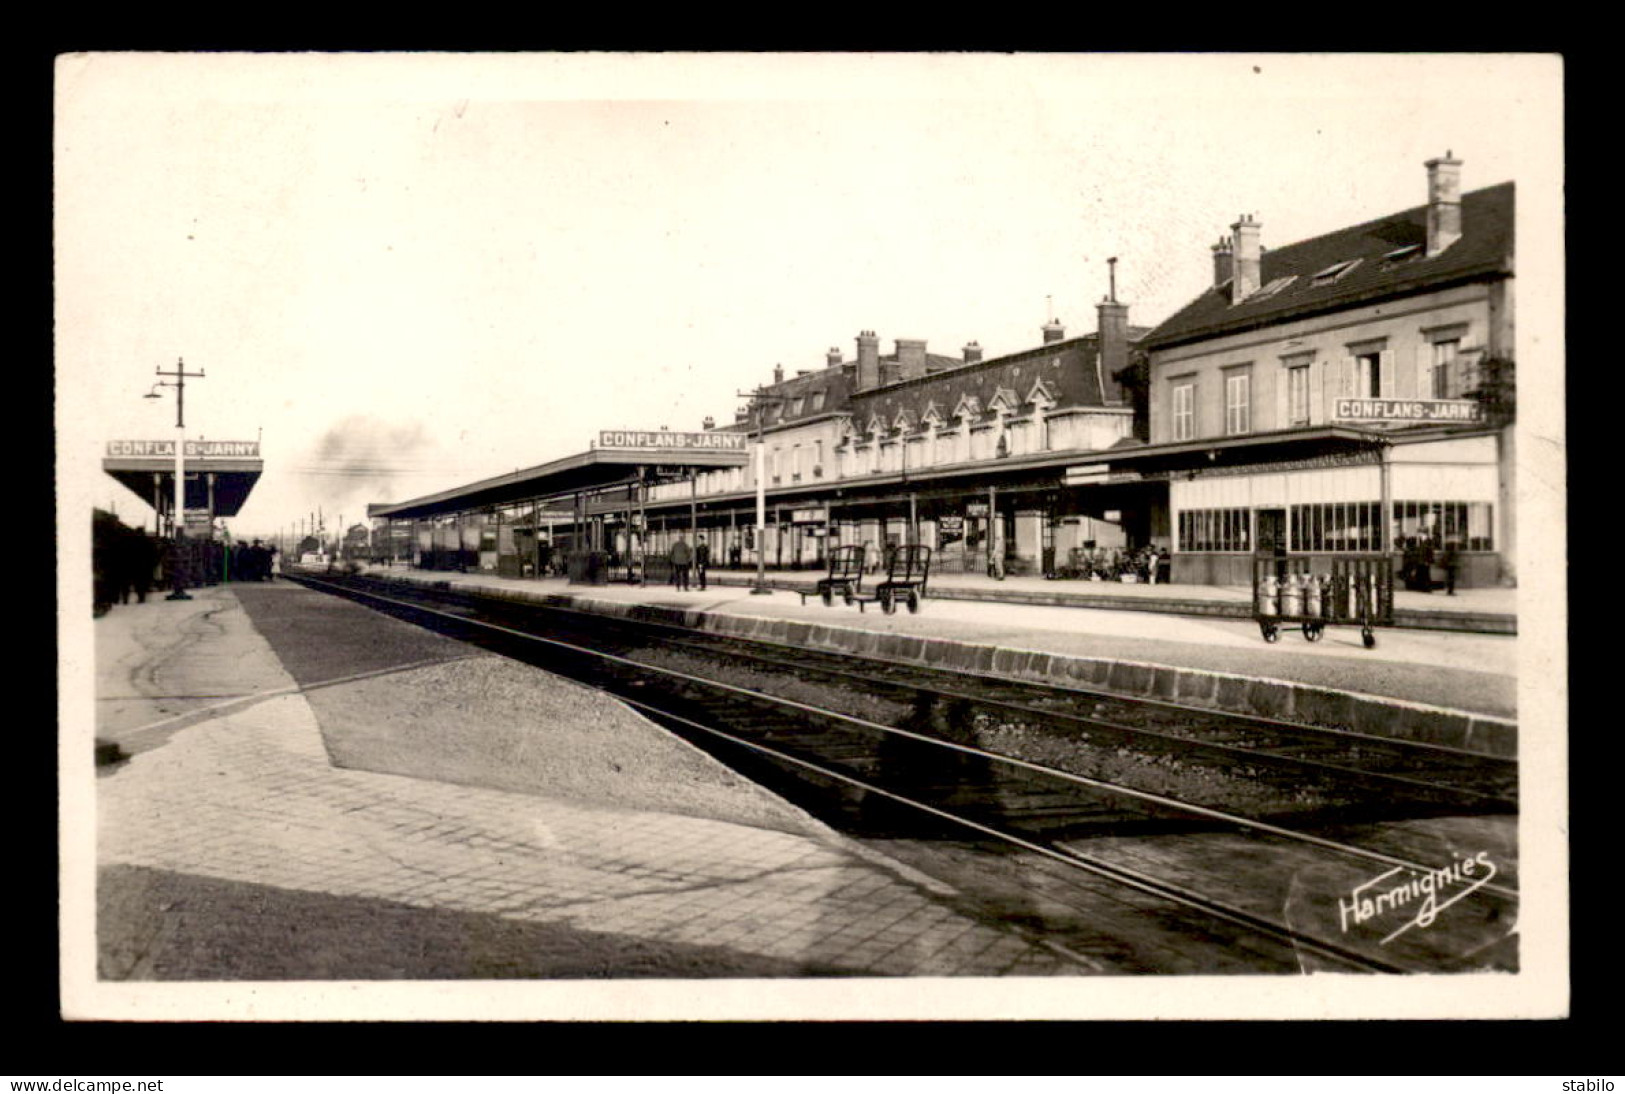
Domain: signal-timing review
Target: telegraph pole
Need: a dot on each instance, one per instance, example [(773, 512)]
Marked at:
[(180, 374)]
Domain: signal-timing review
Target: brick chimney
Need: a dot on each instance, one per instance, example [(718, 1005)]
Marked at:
[(973, 353), (868, 360), (832, 359), (1053, 331), (709, 423), (1249, 259), (1223, 262), (1111, 339), (910, 358), (1444, 203), (778, 374)]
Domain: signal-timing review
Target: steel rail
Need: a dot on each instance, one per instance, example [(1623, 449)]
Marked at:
[(1120, 874), (1157, 800), (1162, 736)]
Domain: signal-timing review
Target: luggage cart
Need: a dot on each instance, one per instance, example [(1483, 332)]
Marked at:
[(907, 570), (845, 576), (1354, 589)]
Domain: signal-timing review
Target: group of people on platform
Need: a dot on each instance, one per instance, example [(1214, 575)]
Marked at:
[(1418, 556), (125, 562), (252, 562), (684, 558), (130, 562)]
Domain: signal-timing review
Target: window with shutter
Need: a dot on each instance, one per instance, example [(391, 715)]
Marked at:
[(1238, 402), (1345, 386), (1292, 391), (1184, 411)]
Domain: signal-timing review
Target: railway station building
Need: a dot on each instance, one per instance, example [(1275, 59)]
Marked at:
[(1345, 394), (966, 454), (1342, 395)]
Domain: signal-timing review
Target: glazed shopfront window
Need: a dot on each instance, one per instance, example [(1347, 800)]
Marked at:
[(1335, 526), (1465, 523), (1215, 530)]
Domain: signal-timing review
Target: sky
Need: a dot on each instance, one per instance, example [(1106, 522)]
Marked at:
[(403, 273)]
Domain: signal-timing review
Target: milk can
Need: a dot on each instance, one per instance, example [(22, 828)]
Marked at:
[(1312, 602), (1268, 595), (1292, 595)]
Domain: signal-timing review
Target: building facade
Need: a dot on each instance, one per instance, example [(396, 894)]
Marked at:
[(964, 454), (1344, 394), (1347, 394)]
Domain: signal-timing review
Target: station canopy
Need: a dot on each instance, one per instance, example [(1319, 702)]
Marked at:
[(620, 457), (147, 468)]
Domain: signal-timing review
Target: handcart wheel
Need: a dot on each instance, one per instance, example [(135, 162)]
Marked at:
[(1367, 637), (1313, 631), (829, 596), (887, 604), (1272, 633), (913, 602)]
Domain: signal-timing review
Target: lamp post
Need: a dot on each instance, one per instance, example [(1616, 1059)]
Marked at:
[(180, 374), (761, 401)]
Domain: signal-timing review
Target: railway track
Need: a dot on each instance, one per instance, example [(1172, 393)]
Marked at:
[(923, 775)]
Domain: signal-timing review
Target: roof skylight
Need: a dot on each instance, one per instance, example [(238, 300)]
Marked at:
[(1335, 271), (1273, 287)]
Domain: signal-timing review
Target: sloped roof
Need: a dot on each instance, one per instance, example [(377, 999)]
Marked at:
[(1067, 368), (1484, 250)]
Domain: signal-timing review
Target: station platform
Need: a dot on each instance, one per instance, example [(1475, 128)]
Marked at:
[(246, 836), (1444, 685), (1480, 611)]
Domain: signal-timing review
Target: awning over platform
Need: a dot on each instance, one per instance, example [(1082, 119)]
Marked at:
[(588, 472), (147, 469)]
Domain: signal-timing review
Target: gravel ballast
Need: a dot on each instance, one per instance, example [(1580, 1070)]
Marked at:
[(491, 722)]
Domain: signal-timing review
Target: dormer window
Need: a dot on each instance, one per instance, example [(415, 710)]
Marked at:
[(795, 407), (1335, 271), (818, 400)]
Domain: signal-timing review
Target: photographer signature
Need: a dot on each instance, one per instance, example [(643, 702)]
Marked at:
[(1427, 890)]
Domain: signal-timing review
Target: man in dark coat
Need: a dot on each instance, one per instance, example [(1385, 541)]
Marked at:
[(1451, 561), (681, 557), (702, 559)]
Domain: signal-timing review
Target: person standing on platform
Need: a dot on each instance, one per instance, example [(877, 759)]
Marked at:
[(143, 562), (1451, 561), (681, 558), (702, 559)]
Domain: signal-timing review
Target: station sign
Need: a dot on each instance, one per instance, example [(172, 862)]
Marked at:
[(808, 516), (195, 450), (1092, 473), (1408, 410), (665, 438)]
